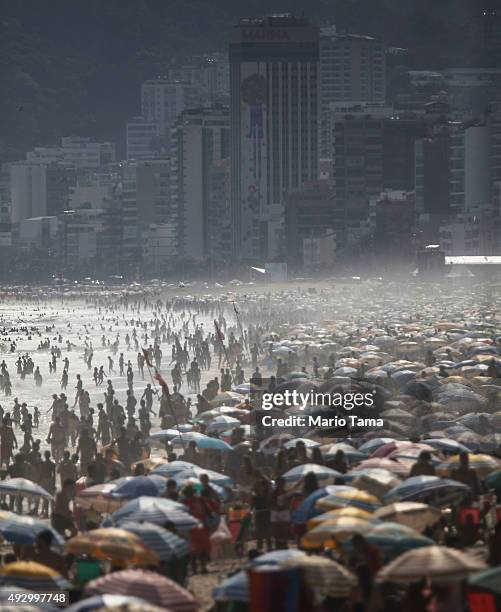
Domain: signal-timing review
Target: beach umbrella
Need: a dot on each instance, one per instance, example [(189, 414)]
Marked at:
[(374, 480), (270, 445), (437, 491), (306, 441), (493, 481), (412, 514), (347, 511), (482, 464), (155, 510), (201, 440), (99, 497), (32, 576), (195, 472), (395, 538), (164, 543), (358, 499), (223, 423), (24, 487), (113, 544), (169, 469), (323, 473), (168, 434), (153, 588), (338, 529), (226, 398), (110, 602), (352, 454), (150, 463), (325, 577), (135, 486), (439, 563), (371, 445), (220, 411), (307, 509), (382, 463), (24, 530), (234, 588), (447, 445)]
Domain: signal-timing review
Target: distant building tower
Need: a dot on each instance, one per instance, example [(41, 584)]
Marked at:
[(200, 142), (352, 69), (274, 110)]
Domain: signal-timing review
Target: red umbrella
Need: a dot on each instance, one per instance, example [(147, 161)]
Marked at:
[(151, 587)]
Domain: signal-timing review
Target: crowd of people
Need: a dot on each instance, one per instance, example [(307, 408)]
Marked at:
[(148, 365)]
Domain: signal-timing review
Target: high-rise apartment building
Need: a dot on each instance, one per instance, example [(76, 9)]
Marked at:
[(200, 142), (274, 108), (162, 101), (352, 69)]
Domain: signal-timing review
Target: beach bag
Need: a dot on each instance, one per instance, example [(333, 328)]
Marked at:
[(221, 543)]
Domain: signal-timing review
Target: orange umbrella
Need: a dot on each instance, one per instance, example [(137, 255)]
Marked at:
[(111, 543)]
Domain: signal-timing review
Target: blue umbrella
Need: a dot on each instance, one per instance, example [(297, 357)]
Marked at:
[(306, 510), (394, 538), (135, 486), (24, 529), (439, 491), (234, 588), (201, 440), (174, 467), (447, 445), (195, 472), (166, 544), (156, 510), (214, 444)]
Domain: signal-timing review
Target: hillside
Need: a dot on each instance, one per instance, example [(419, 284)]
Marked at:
[(74, 66)]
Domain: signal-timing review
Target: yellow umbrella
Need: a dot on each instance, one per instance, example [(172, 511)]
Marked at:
[(482, 464), (358, 499), (349, 511), (338, 529), (33, 576), (111, 543)]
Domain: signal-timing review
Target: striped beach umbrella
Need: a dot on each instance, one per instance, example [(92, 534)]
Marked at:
[(24, 529), (323, 473), (153, 588), (173, 467), (482, 464), (135, 486), (155, 510), (348, 511), (196, 471), (439, 563), (338, 529), (167, 545), (358, 499), (32, 576), (412, 514), (24, 487), (439, 492), (110, 543)]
